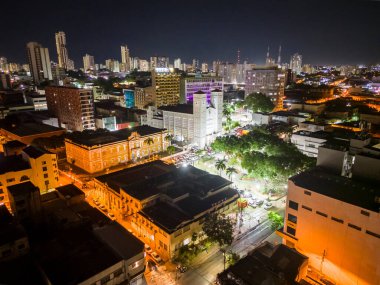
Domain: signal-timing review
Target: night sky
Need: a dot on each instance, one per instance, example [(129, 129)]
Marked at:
[(324, 32)]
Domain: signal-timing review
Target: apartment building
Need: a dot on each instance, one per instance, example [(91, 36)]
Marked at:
[(166, 86)]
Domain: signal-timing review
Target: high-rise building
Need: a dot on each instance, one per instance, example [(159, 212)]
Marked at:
[(3, 64), (143, 65), (39, 62), (166, 84), (231, 73), (63, 57), (73, 107), (204, 67), (296, 63), (5, 81), (143, 97), (267, 80), (125, 58), (177, 63), (88, 62), (269, 61), (192, 84), (113, 65), (162, 62)]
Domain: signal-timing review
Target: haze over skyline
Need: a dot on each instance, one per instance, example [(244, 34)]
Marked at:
[(324, 32)]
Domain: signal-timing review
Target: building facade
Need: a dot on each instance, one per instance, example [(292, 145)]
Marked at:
[(199, 123), (125, 58), (63, 57), (143, 97), (296, 63), (190, 85), (88, 63), (166, 85), (99, 151), (73, 107), (39, 62)]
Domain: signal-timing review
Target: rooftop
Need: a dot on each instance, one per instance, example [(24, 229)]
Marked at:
[(69, 190), (34, 152), (12, 164), (180, 108), (93, 138), (318, 134), (359, 193), (14, 144), (22, 188), (29, 129), (121, 241)]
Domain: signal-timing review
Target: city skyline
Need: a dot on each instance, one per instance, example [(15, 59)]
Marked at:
[(160, 29)]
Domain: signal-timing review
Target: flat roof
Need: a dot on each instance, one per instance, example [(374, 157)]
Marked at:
[(13, 163), (180, 108), (22, 188), (99, 138), (358, 193), (74, 256), (30, 129), (318, 134), (14, 144), (120, 240), (34, 152), (70, 190)]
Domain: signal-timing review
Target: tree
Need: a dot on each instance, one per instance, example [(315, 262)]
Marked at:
[(220, 165), (149, 141), (232, 258), (230, 171), (219, 229), (170, 149), (259, 102), (169, 137), (277, 221)]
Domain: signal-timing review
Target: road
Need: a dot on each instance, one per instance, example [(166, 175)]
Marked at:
[(205, 273)]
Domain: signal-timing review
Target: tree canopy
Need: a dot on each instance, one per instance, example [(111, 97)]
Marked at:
[(258, 102), (219, 229), (277, 221)]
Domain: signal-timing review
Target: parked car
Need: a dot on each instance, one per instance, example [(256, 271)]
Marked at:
[(268, 205), (259, 202), (112, 216), (156, 257), (148, 249)]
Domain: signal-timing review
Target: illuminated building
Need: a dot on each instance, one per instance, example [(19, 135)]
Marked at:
[(63, 57), (113, 65), (204, 67), (199, 123), (143, 96), (99, 151), (267, 80), (5, 81), (192, 84), (32, 165), (39, 62), (166, 85), (164, 205), (296, 63), (88, 62), (3, 64), (129, 96), (73, 107), (231, 73), (332, 213), (125, 59), (177, 63), (143, 65)]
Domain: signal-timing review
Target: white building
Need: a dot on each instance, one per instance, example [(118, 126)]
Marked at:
[(63, 57), (296, 63), (39, 62), (199, 123), (177, 63), (125, 58), (309, 142), (88, 62)]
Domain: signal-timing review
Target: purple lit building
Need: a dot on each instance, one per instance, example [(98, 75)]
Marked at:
[(192, 84)]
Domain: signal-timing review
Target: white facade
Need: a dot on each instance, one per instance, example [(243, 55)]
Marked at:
[(88, 62), (39, 62), (308, 143), (63, 57), (296, 63), (201, 126)]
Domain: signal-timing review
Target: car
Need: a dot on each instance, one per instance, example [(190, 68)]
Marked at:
[(148, 249), (268, 206), (259, 202), (156, 257), (112, 216), (103, 208)]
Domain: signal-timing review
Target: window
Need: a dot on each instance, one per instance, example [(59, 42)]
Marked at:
[(293, 205), (43, 162), (307, 208), (9, 180), (337, 220), (44, 168), (104, 280), (307, 193), (292, 218), (321, 214), (1, 191), (365, 213), (354, 227), (118, 272), (46, 175), (373, 234), (187, 228), (291, 231)]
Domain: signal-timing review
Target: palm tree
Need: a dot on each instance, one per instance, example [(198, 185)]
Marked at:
[(170, 149), (149, 141), (230, 171), (220, 165)]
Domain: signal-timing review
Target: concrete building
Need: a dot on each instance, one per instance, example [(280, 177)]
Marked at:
[(296, 63), (39, 62), (37, 100), (73, 107), (164, 205), (199, 123), (231, 73), (177, 63), (125, 58), (309, 142), (143, 97), (63, 57), (166, 84), (267, 80), (192, 84), (113, 65), (88, 63), (101, 150)]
